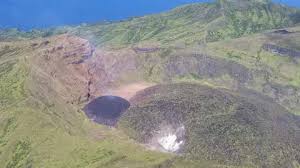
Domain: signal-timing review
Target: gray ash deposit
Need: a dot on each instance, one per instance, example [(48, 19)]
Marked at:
[(106, 109)]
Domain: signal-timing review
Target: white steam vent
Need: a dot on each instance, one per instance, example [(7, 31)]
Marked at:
[(170, 143), (168, 139)]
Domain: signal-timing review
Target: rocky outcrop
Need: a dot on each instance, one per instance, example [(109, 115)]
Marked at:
[(282, 31), (145, 50)]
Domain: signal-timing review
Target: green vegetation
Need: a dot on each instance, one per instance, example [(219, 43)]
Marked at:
[(11, 87), (21, 157), (242, 18)]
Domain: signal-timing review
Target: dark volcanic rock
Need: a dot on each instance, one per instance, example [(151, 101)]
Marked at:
[(282, 31), (145, 50), (238, 128), (281, 50), (106, 109)]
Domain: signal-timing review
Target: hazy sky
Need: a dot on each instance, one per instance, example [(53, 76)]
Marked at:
[(44, 13)]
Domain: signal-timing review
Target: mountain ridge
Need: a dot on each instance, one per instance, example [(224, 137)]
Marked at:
[(194, 20)]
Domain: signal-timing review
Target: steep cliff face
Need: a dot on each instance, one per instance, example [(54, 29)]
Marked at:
[(59, 64), (70, 67)]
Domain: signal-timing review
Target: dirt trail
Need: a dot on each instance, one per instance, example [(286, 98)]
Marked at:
[(128, 91)]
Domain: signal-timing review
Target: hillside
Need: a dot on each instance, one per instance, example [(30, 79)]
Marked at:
[(241, 51)]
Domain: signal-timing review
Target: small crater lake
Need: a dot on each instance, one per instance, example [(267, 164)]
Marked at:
[(106, 110)]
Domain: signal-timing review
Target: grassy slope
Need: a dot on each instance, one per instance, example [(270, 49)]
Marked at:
[(281, 70), (248, 51)]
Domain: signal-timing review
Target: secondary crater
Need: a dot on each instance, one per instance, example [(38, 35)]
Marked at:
[(106, 109)]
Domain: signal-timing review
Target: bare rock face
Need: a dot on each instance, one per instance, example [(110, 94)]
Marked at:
[(70, 67)]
